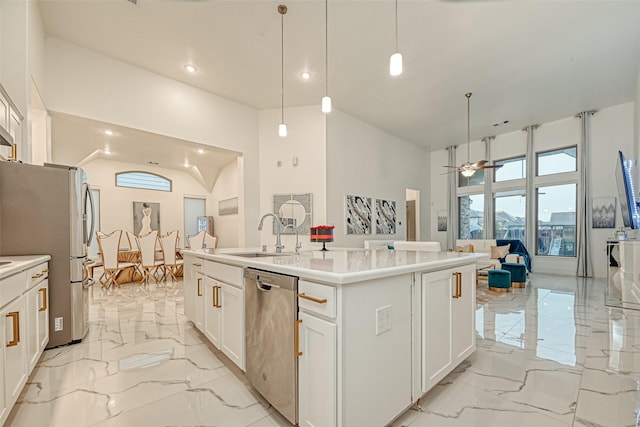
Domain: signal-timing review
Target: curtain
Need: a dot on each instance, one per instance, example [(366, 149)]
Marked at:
[(452, 200), (488, 196), (532, 226), (585, 266)]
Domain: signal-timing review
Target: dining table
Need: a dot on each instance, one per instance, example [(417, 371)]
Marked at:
[(132, 274)]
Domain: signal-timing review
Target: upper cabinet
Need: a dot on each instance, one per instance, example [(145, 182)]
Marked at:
[(10, 126)]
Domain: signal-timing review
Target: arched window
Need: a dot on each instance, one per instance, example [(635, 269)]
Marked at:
[(143, 181)]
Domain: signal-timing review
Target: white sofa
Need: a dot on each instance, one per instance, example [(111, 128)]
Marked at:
[(417, 246)]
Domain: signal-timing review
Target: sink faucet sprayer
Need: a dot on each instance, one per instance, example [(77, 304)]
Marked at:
[(279, 245)]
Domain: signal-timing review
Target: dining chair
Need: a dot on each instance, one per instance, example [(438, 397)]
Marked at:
[(168, 243), (148, 264), (197, 241), (133, 244), (108, 245), (210, 241)]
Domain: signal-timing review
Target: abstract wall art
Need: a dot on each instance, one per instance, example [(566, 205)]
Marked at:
[(358, 214), (385, 216)]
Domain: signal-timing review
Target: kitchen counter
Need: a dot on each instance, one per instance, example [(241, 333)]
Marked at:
[(342, 266), (19, 263)]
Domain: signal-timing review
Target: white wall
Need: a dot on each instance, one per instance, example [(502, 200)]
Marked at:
[(438, 200), (636, 119), (306, 127), (226, 227), (87, 84), (365, 161), (117, 202)]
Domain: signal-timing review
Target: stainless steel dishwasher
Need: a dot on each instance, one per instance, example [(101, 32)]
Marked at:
[(271, 313)]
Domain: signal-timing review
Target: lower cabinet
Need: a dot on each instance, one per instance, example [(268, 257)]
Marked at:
[(193, 290), (16, 365), (447, 322), (224, 318), (38, 318), (317, 372)]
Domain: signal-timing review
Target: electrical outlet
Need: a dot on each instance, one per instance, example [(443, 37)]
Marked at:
[(383, 319), (58, 324)]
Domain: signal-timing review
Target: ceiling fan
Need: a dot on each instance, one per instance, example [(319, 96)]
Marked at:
[(467, 169)]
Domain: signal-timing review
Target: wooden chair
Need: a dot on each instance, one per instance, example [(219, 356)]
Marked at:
[(197, 241), (109, 244), (148, 265), (133, 244), (210, 241), (169, 242)]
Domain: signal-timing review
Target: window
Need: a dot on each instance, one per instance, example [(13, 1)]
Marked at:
[(511, 169), (476, 179), (558, 161), (509, 220), (143, 181), (471, 218), (556, 233)]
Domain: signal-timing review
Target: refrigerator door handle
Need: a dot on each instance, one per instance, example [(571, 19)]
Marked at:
[(93, 215)]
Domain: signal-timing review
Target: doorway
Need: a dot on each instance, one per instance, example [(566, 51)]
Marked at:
[(413, 214), (193, 208)]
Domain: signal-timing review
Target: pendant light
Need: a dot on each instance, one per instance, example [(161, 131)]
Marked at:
[(395, 62), (282, 128), (326, 99)]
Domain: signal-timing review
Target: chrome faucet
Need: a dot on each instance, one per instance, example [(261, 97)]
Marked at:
[(298, 244), (276, 220)]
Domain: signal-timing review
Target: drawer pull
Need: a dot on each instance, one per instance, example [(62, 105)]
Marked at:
[(199, 289), (216, 290), (316, 300), (15, 315), (197, 265), (37, 276), (44, 299), (46, 270), (296, 337)]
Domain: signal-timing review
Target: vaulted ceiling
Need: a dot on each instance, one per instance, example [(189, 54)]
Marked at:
[(525, 61)]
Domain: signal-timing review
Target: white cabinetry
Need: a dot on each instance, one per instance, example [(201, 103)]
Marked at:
[(193, 290), (24, 330), (447, 322), (214, 301)]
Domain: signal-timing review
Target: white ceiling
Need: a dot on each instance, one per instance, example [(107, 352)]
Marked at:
[(525, 61), (79, 140)]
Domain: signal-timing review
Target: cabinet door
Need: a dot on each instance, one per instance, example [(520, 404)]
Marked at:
[(32, 338), (317, 372), (192, 288), (43, 315), (211, 311), (437, 296), (464, 318), (4, 405), (15, 348), (232, 312)]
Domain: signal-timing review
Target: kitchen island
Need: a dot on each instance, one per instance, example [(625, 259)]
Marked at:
[(377, 328)]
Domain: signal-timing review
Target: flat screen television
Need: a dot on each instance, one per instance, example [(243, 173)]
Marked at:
[(626, 192)]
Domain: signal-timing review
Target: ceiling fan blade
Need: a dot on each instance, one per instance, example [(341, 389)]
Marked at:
[(447, 166), (490, 167), (480, 163)]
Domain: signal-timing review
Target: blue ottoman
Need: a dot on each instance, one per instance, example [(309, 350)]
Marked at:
[(500, 280), (518, 273)]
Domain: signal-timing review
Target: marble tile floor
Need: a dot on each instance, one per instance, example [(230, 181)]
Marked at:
[(551, 354)]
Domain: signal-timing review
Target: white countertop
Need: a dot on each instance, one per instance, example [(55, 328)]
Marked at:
[(20, 263), (341, 266)]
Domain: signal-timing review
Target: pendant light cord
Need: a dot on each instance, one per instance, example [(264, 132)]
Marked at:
[(468, 95), (326, 46), (396, 26)]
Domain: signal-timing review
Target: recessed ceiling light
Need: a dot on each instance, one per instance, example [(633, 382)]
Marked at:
[(200, 151), (186, 164), (190, 68), (108, 132), (306, 75), (106, 151)]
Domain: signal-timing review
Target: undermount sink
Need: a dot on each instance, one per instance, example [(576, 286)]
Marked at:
[(258, 254), (3, 263)]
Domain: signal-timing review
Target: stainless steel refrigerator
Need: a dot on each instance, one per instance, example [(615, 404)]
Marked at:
[(48, 210)]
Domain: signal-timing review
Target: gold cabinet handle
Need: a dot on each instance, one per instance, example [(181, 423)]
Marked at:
[(36, 276), (316, 300), (213, 297), (46, 270), (199, 289), (217, 294), (455, 295), (459, 285), (296, 337), (15, 315), (197, 265), (44, 299)]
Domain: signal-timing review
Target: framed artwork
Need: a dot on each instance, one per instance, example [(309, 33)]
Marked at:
[(228, 206), (294, 211), (603, 212), (442, 220), (146, 217), (385, 216), (358, 215)]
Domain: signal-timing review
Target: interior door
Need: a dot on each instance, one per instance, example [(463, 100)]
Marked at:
[(193, 208)]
